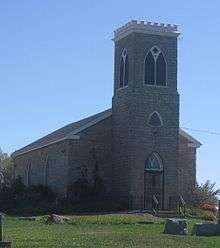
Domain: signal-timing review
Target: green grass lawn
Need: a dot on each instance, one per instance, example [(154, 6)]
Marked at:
[(100, 231)]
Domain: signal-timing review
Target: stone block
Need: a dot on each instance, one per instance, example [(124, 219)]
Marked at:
[(176, 227), (56, 219), (206, 229)]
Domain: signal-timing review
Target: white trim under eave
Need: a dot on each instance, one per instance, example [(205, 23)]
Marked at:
[(89, 124), (125, 33), (193, 145), (193, 142), (74, 137)]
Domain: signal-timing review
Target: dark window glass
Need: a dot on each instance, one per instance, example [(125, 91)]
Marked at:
[(149, 69), (161, 71), (47, 171), (154, 163), (29, 174), (155, 50), (126, 71), (121, 73), (155, 120), (153, 181)]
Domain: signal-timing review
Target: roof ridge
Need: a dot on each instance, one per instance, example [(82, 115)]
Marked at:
[(189, 137), (59, 135)]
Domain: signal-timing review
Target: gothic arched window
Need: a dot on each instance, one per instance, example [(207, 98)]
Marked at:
[(46, 172), (154, 163), (155, 120), (155, 67), (28, 174), (124, 69)]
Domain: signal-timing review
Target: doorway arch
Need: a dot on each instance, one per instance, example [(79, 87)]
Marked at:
[(153, 181)]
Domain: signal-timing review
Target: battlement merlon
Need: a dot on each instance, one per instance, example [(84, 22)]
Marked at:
[(146, 28)]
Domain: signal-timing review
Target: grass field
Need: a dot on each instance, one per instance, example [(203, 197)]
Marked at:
[(100, 231)]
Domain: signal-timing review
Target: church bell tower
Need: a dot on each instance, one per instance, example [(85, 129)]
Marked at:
[(145, 109)]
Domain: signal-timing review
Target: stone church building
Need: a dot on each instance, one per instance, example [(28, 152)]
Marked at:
[(136, 149)]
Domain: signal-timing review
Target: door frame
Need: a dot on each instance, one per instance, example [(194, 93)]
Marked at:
[(162, 190)]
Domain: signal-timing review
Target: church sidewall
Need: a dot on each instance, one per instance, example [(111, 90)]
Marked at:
[(58, 167), (91, 156), (187, 168)]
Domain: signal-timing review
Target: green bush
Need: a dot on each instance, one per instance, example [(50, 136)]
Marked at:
[(202, 194), (18, 199)]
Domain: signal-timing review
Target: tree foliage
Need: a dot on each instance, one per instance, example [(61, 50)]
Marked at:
[(6, 169), (204, 193)]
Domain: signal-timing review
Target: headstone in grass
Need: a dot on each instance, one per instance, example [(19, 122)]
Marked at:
[(176, 226), (3, 243), (56, 219), (207, 229)]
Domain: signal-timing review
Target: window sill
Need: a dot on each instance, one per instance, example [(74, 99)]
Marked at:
[(155, 85), (122, 88)]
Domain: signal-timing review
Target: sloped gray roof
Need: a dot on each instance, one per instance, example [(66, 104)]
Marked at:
[(68, 132), (60, 134), (191, 139)]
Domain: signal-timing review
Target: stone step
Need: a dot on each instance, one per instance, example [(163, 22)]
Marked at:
[(166, 214)]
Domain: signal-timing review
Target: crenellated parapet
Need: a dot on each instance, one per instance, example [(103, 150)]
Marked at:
[(146, 27)]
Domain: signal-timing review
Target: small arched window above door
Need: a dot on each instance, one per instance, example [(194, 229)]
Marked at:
[(154, 163)]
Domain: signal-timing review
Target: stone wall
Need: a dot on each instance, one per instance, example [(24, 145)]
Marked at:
[(187, 167), (93, 154), (67, 159), (57, 155), (133, 139)]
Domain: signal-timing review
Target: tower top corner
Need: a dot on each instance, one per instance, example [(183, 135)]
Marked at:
[(146, 27)]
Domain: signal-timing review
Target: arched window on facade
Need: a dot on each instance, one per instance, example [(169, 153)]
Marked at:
[(123, 78), (155, 120), (28, 174), (46, 171), (154, 163), (155, 68)]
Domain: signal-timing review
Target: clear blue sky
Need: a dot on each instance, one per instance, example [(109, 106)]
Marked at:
[(56, 66)]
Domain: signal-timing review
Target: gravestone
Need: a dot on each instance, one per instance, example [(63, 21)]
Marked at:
[(3, 244), (56, 219), (207, 229), (176, 227)]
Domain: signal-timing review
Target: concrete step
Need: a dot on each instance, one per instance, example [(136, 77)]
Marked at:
[(166, 214)]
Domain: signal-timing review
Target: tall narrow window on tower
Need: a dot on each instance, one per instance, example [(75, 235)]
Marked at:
[(124, 69), (155, 68)]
